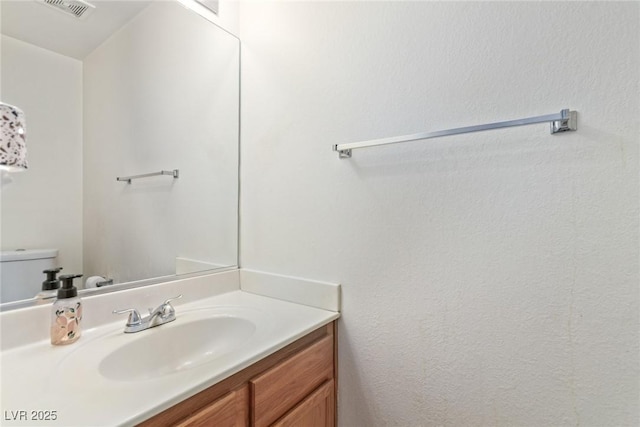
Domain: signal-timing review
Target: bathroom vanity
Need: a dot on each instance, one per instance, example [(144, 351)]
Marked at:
[(246, 348), (294, 386)]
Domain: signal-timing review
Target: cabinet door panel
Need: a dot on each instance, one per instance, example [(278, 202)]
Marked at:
[(231, 410), (283, 386), (317, 410)]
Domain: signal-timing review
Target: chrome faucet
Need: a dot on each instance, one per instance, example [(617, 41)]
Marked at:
[(164, 313)]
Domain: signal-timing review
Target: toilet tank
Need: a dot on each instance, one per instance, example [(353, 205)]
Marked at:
[(21, 272)]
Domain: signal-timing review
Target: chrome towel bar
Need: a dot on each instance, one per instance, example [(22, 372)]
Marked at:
[(175, 173), (564, 121)]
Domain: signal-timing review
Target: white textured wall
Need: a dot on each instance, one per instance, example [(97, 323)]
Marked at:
[(488, 279), (42, 207), (160, 94)]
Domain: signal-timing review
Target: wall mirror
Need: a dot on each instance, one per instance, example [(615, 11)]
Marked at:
[(118, 89)]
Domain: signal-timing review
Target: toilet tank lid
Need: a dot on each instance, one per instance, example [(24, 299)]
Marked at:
[(27, 254)]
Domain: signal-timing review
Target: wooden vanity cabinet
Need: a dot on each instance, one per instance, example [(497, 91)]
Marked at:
[(296, 386)]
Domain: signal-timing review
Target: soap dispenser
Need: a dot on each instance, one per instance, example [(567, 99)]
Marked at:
[(66, 313), (50, 286)]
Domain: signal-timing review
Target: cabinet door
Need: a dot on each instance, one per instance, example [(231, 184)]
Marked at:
[(317, 410), (231, 410), (280, 388)]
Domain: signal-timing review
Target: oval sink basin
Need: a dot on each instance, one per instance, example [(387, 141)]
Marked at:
[(172, 348)]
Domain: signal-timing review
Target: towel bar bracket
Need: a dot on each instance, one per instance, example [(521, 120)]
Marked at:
[(342, 154), (564, 125)]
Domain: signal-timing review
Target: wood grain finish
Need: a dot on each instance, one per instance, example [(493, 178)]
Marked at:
[(180, 412), (231, 410), (334, 331), (317, 410), (274, 392)]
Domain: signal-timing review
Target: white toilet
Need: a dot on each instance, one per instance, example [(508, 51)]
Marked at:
[(21, 272)]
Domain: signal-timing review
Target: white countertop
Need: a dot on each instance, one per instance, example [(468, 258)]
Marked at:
[(66, 379)]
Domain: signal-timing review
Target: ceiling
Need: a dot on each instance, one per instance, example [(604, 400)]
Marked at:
[(34, 22)]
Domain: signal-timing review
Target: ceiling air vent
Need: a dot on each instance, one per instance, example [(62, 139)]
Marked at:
[(78, 8), (210, 4)]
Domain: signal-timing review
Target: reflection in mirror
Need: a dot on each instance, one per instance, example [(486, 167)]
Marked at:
[(129, 88)]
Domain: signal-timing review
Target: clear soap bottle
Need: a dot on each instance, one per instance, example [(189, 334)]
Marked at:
[(66, 313)]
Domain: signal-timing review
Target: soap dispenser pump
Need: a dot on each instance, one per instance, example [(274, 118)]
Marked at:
[(50, 286), (66, 313)]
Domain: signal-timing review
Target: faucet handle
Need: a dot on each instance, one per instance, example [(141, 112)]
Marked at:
[(171, 299), (166, 307), (134, 316)]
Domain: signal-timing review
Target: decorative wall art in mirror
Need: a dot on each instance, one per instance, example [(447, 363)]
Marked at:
[(118, 89)]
